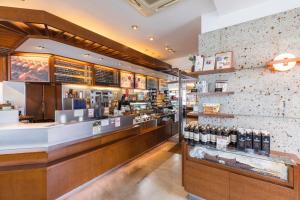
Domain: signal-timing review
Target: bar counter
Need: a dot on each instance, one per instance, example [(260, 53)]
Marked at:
[(48, 172)]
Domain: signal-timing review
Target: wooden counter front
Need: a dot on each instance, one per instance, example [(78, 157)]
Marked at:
[(50, 174), (214, 181)]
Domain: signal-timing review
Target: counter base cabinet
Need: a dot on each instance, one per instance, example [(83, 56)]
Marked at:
[(212, 181), (65, 173), (244, 188), (209, 187)]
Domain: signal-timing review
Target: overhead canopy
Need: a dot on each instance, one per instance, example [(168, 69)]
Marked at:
[(18, 24)]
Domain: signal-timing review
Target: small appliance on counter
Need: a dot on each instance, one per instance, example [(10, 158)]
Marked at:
[(101, 102), (74, 104)]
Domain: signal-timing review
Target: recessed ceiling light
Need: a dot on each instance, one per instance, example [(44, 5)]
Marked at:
[(134, 27), (151, 38), (86, 55), (167, 48), (40, 47), (100, 58)]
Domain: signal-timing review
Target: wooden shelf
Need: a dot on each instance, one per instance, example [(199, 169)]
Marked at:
[(217, 115), (215, 94), (192, 115), (216, 71)]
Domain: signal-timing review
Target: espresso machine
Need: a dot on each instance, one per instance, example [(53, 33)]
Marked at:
[(101, 101)]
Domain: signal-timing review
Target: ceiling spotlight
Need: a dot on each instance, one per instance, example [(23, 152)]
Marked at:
[(100, 58), (86, 55), (151, 38), (167, 48), (134, 27), (40, 47)]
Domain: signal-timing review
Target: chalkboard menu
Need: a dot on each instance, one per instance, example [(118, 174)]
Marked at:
[(30, 68), (140, 81), (72, 72), (127, 79), (106, 76), (152, 83)]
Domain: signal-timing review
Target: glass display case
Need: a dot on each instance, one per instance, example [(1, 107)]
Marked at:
[(270, 166)]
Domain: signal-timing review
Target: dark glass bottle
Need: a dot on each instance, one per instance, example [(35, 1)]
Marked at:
[(233, 137), (266, 143), (186, 134), (200, 133), (196, 135), (204, 138), (208, 132), (249, 139), (213, 136), (257, 140), (241, 139), (226, 135), (191, 136)]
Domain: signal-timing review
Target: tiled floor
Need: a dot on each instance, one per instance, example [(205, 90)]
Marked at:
[(154, 176)]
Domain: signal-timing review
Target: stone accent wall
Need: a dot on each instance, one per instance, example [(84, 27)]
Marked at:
[(262, 99)]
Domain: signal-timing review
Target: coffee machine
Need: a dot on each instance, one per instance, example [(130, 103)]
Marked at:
[(101, 101)]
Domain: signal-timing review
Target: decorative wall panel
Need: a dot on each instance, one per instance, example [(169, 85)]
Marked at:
[(262, 99)]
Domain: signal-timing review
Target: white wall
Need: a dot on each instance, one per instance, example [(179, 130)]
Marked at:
[(1, 92), (183, 63), (213, 21), (15, 93)]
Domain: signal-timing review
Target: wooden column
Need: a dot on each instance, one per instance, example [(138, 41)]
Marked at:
[(3, 68)]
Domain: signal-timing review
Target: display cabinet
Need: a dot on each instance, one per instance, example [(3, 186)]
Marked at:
[(211, 173)]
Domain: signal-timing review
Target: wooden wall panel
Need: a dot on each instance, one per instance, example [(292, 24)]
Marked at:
[(3, 68), (34, 100)]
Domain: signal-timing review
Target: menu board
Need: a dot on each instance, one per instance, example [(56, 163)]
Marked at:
[(140, 81), (127, 79), (163, 85), (152, 83), (72, 72), (30, 68), (106, 76)]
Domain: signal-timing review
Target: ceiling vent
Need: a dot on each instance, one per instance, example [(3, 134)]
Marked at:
[(149, 7)]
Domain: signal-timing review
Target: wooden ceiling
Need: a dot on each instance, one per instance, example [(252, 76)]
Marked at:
[(17, 25)]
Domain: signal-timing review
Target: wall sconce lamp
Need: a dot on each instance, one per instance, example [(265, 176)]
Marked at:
[(283, 62)]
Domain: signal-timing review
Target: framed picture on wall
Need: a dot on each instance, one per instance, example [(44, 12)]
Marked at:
[(209, 63), (199, 63), (127, 79), (30, 68), (224, 60)]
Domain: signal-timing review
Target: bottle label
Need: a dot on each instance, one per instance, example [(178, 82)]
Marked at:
[(233, 138), (213, 138), (191, 135), (208, 137), (197, 137), (204, 138), (186, 135)]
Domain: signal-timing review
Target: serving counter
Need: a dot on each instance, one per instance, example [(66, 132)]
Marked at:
[(49, 171)]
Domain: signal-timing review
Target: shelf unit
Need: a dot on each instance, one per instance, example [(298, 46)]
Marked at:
[(215, 71), (208, 94)]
